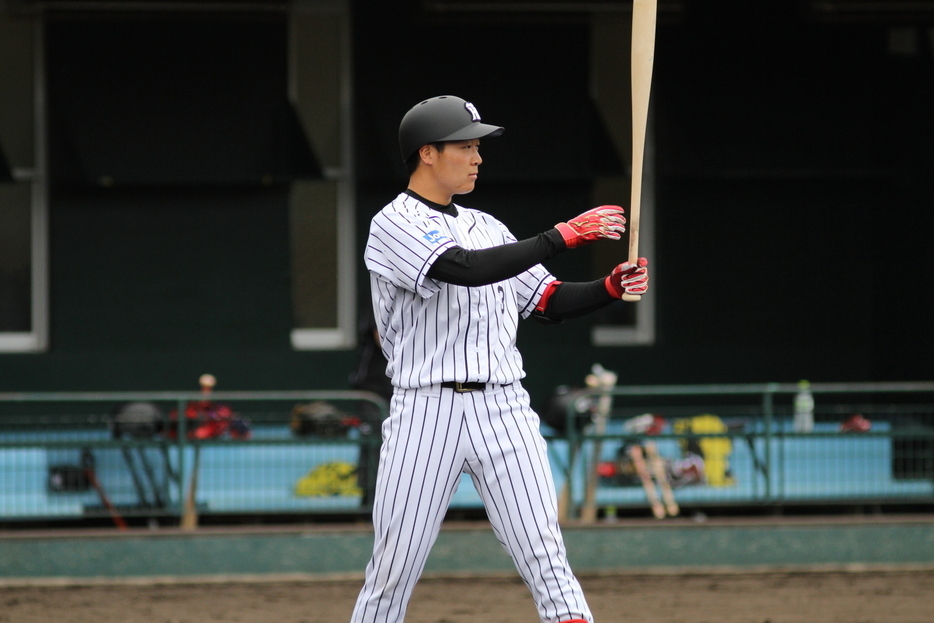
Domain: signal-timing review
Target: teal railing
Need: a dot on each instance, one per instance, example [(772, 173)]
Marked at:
[(126, 455), (769, 461), (148, 475)]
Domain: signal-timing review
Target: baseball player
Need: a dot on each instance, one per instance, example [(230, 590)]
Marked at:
[(449, 285)]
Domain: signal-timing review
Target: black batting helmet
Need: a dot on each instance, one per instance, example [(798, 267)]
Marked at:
[(442, 118)]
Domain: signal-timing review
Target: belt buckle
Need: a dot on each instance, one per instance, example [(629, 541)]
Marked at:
[(460, 389)]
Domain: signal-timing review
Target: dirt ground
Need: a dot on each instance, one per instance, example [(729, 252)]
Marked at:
[(831, 597)]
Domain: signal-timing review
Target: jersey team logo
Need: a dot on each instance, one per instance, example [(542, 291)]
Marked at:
[(474, 113), (434, 236)]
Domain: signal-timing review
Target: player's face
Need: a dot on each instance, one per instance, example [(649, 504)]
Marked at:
[(456, 167)]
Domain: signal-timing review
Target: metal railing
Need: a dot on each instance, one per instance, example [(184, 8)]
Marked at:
[(755, 455), (80, 455), (174, 456)]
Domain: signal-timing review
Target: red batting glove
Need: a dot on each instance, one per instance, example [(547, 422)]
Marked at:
[(628, 279), (601, 222)]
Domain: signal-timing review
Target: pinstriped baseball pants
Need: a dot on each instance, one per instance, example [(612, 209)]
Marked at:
[(431, 437)]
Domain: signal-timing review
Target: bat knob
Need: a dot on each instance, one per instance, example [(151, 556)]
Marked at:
[(632, 297), (207, 382)]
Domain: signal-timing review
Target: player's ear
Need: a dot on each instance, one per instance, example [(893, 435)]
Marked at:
[(427, 153)]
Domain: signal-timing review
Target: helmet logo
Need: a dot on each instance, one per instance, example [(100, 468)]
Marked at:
[(474, 114)]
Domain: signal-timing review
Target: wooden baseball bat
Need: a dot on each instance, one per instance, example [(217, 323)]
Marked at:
[(657, 468), (642, 59), (605, 380), (638, 462), (190, 510), (190, 513)]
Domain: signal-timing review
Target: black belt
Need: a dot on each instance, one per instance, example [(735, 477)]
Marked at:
[(461, 388)]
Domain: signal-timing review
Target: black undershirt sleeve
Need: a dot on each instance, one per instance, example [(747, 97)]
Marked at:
[(572, 299), (480, 267), (464, 267)]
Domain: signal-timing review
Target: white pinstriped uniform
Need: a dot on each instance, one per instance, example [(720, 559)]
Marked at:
[(434, 332)]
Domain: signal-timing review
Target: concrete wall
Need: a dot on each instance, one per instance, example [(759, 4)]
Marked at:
[(470, 548)]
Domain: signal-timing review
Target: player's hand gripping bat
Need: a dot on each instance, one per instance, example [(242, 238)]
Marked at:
[(628, 280), (642, 59)]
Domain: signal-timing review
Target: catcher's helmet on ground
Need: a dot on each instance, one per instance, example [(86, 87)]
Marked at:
[(439, 119)]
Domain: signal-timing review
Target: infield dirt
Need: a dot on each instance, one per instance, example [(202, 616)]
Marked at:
[(830, 597)]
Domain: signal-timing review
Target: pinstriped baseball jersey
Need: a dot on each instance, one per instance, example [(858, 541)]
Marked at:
[(433, 332)]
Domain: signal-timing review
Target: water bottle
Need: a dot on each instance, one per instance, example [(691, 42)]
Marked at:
[(804, 408)]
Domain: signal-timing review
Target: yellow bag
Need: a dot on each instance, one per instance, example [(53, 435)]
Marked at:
[(334, 478), (715, 450)]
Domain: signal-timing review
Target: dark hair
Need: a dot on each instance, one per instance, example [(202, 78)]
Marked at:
[(412, 161)]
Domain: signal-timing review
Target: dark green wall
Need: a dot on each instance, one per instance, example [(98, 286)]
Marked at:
[(793, 169), (792, 224)]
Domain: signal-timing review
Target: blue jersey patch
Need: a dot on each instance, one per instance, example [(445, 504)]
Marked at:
[(434, 236)]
